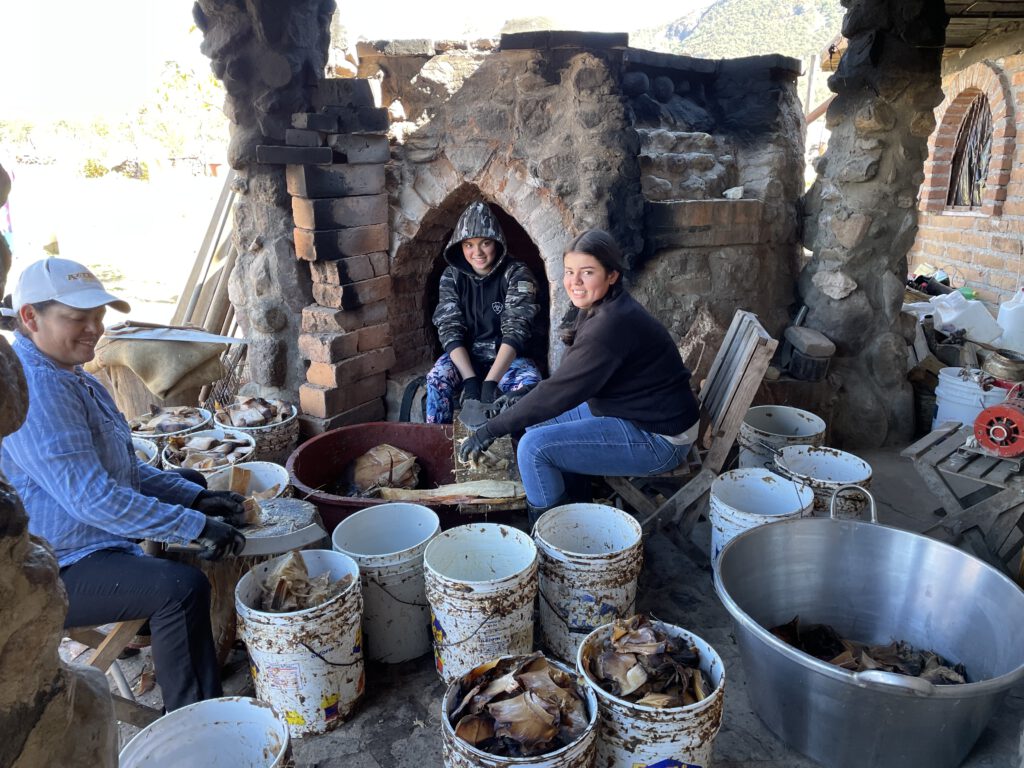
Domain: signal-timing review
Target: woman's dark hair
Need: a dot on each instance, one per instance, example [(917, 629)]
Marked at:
[(602, 246), (14, 323)]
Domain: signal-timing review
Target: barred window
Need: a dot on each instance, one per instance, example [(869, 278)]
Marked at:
[(969, 168)]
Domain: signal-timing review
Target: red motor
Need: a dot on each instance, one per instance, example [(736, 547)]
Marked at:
[(1000, 428)]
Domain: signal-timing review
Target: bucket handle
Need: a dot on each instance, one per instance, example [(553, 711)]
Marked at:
[(393, 596), (331, 663), (865, 491), (886, 682)]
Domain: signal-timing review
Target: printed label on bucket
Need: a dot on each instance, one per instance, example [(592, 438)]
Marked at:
[(284, 677), (439, 637)]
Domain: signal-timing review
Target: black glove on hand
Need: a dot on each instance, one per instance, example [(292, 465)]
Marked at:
[(221, 504), (488, 391), (474, 445), (509, 399), (470, 389), (219, 539)]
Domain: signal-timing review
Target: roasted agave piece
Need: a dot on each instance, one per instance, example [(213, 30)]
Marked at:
[(519, 707), (254, 412), (288, 587), (641, 663), (204, 452), (162, 421)]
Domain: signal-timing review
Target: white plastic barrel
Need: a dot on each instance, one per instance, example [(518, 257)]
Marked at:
[(770, 428), (590, 560), (230, 732), (959, 400), (746, 498), (824, 471), (1011, 320), (387, 541), (459, 754), (481, 582), (631, 735), (308, 664), (264, 475)]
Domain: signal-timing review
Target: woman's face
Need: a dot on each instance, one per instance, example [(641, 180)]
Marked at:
[(586, 281), (66, 335), (480, 253)]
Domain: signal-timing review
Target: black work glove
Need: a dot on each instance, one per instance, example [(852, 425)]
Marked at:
[(221, 504), (488, 391), (470, 389), (472, 447), (219, 539), (509, 399)]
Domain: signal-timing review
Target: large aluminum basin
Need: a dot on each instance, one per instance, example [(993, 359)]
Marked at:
[(873, 584)]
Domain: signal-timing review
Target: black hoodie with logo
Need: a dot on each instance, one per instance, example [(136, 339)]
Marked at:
[(482, 312)]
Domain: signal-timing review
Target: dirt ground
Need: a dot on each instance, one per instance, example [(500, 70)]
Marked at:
[(397, 723)]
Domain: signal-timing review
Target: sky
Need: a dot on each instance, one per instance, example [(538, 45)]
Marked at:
[(105, 56)]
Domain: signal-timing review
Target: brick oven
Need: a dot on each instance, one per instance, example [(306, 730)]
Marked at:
[(695, 166)]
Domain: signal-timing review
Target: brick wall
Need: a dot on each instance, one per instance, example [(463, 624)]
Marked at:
[(982, 248)]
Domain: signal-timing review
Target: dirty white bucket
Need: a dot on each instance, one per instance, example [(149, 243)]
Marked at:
[(263, 475), (148, 448), (824, 471), (962, 401), (387, 541), (459, 754), (746, 498), (631, 735), (481, 582), (769, 428), (230, 732), (590, 560), (308, 664)]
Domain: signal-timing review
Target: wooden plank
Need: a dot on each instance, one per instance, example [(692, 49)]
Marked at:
[(633, 496), (941, 450), (979, 467), (736, 371), (931, 439), (937, 484), (114, 643), (684, 506), (957, 462), (999, 475), (725, 436), (719, 360)]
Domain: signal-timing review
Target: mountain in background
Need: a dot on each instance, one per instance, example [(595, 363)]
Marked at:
[(728, 29)]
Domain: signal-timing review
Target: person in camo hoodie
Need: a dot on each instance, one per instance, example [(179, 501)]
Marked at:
[(484, 318)]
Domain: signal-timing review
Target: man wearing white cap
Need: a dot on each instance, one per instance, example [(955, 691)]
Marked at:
[(88, 495)]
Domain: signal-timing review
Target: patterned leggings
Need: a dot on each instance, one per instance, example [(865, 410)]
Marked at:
[(444, 384)]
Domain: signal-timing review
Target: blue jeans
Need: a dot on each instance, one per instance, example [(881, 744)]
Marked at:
[(578, 442)]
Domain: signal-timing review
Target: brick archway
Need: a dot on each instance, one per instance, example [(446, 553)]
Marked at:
[(982, 78)]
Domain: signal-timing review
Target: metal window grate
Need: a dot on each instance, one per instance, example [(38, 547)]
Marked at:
[(969, 169)]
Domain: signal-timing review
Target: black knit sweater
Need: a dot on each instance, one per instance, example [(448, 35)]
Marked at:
[(622, 363)]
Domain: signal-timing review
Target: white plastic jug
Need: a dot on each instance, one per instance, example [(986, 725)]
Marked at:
[(953, 312), (1011, 320)]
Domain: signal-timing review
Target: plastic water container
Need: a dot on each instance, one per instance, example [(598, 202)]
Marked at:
[(953, 312), (1011, 320)]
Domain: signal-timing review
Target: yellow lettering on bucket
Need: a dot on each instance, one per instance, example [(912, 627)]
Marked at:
[(293, 718)]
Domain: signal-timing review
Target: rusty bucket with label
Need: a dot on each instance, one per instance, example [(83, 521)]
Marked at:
[(307, 664), (481, 581), (590, 560), (633, 736)]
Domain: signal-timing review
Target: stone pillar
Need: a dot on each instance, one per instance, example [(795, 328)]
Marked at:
[(50, 713), (861, 213), (269, 56)]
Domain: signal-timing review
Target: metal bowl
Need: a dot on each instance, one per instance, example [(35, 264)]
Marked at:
[(873, 584)]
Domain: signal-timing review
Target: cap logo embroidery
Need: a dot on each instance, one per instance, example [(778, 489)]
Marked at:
[(82, 276)]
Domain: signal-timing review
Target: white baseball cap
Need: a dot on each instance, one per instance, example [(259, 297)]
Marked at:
[(62, 280)]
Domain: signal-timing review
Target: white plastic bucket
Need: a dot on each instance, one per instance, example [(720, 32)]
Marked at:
[(459, 754), (631, 735), (962, 401), (230, 732), (387, 541), (149, 448), (263, 476), (481, 581), (590, 560), (746, 498), (770, 428), (307, 664), (824, 471)]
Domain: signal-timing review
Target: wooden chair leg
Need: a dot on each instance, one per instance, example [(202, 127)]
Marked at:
[(633, 496), (681, 500), (114, 643)]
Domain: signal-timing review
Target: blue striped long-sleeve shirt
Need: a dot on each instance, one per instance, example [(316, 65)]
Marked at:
[(74, 466)]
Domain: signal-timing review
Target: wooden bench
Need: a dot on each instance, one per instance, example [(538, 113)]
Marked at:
[(987, 521), (107, 646), (732, 382)]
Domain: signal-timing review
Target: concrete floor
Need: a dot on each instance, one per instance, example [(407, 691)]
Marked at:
[(397, 724)]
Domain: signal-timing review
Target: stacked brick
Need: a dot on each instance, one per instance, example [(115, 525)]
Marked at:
[(335, 160)]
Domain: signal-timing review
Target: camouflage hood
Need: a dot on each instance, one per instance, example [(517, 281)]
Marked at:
[(476, 221)]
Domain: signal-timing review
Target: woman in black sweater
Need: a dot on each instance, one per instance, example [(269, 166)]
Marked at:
[(620, 402)]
